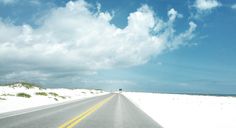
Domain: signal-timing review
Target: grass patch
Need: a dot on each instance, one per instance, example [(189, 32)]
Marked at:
[(53, 94), (23, 84), (28, 85), (7, 94), (41, 93), (23, 95), (63, 97), (55, 99), (2, 98)]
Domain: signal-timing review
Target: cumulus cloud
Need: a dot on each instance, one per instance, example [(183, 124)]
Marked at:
[(172, 13), (8, 1), (30, 76), (207, 4), (75, 38), (233, 6), (204, 7), (23, 75)]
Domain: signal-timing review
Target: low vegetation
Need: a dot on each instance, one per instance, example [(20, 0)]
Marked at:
[(41, 93), (23, 84), (53, 94), (63, 97), (23, 95), (7, 94), (2, 98), (28, 85)]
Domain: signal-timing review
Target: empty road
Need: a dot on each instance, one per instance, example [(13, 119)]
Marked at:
[(108, 111)]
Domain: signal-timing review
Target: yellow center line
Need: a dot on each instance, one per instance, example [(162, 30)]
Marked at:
[(74, 121)]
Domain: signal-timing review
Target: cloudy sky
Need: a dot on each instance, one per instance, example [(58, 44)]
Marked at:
[(141, 45)]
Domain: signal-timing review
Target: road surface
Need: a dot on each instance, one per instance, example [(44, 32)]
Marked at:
[(108, 111)]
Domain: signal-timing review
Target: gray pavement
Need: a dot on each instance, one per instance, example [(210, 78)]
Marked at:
[(118, 112)]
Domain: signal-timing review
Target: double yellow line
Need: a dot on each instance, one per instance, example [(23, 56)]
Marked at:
[(74, 121)]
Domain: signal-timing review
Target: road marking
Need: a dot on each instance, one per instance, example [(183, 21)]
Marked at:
[(74, 121)]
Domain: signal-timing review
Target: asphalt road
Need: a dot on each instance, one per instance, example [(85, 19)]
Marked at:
[(108, 111)]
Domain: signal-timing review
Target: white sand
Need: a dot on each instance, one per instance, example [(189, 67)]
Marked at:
[(12, 103), (187, 111)]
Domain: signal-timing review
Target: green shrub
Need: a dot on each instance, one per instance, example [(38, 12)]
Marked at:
[(24, 84), (63, 97), (28, 85), (53, 94), (41, 93), (23, 95), (7, 94), (2, 98)]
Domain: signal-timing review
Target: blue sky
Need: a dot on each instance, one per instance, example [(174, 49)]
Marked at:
[(146, 45)]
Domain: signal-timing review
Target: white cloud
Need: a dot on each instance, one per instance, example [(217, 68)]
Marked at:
[(183, 37), (172, 13), (6, 2), (73, 37), (10, 2), (204, 7), (233, 6), (24, 75), (207, 4)]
